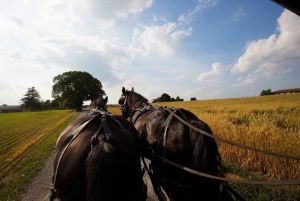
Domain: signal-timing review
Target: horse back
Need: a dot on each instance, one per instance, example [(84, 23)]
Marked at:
[(116, 160), (70, 129)]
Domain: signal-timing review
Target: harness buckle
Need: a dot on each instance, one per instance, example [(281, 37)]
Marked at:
[(93, 141)]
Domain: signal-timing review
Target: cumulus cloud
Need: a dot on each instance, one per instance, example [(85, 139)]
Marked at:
[(106, 11), (266, 57), (162, 39), (217, 70)]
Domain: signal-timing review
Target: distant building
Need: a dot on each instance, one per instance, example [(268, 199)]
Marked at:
[(154, 100), (10, 108), (287, 91)]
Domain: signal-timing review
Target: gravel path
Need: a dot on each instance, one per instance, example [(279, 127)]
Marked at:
[(39, 188)]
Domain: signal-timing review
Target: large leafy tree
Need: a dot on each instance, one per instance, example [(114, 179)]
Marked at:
[(165, 97), (31, 100), (75, 87)]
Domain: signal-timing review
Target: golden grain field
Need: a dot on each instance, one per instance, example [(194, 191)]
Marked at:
[(266, 122)]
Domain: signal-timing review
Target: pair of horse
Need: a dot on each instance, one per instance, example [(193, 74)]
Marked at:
[(99, 155)]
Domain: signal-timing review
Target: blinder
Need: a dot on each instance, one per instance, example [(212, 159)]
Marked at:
[(124, 107)]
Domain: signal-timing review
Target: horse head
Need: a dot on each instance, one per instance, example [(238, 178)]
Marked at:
[(130, 101), (99, 104)]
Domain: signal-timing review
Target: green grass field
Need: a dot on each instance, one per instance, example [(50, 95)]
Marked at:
[(26, 140)]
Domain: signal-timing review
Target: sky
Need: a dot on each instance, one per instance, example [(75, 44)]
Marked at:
[(208, 49)]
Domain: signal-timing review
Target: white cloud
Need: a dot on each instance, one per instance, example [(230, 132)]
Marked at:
[(266, 57), (217, 70), (202, 4), (250, 79), (106, 11), (161, 39)]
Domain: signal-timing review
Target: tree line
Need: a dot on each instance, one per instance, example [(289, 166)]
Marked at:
[(266, 92), (70, 90)]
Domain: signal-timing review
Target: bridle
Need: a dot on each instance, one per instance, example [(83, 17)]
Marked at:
[(125, 110), (124, 107)]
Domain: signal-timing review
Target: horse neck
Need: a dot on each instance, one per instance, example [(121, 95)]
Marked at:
[(137, 102)]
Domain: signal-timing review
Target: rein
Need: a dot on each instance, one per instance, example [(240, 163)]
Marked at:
[(75, 134), (271, 183), (230, 142)]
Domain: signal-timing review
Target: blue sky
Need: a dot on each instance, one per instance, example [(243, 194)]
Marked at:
[(207, 49)]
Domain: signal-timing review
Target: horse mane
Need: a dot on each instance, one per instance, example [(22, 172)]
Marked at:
[(134, 97)]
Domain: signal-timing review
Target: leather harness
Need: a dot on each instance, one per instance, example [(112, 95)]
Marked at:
[(109, 136)]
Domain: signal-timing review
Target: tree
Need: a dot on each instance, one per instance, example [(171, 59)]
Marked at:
[(179, 99), (165, 97), (58, 102), (31, 100), (75, 87), (46, 104), (266, 92), (193, 99)]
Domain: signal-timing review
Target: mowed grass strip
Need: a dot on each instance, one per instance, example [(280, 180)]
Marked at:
[(26, 139)]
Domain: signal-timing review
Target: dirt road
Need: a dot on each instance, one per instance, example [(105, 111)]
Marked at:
[(39, 188)]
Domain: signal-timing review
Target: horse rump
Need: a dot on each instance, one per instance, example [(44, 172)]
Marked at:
[(205, 158)]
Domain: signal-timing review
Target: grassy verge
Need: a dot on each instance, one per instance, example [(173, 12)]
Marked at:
[(20, 174), (260, 192)]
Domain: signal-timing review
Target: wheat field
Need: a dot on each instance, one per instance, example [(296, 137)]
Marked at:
[(266, 122)]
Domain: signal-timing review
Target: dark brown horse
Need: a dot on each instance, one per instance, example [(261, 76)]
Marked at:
[(98, 158), (169, 138)]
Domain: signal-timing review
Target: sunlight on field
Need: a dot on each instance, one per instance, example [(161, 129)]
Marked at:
[(269, 123), (19, 131)]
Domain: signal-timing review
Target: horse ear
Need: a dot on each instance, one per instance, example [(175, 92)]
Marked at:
[(123, 90), (132, 89), (106, 99)]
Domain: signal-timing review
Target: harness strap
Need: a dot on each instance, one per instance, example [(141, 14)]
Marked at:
[(165, 127), (95, 136), (155, 187), (270, 183), (141, 113), (230, 142), (75, 134), (108, 133)]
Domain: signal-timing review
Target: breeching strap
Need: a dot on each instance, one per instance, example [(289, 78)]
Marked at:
[(230, 142), (76, 133)]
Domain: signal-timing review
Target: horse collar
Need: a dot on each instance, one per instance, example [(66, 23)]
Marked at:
[(141, 112)]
